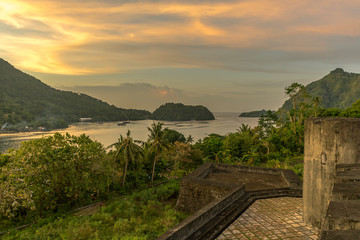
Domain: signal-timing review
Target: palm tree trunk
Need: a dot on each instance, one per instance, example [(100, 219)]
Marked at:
[(125, 170), (153, 170)]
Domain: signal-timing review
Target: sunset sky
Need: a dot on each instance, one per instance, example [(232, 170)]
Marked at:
[(227, 55)]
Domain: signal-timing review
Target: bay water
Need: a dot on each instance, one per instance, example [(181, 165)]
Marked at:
[(108, 132)]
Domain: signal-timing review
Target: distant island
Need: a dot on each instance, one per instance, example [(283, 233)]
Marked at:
[(181, 112), (254, 113)]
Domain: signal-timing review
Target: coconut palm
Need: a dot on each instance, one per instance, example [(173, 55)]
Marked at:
[(129, 150), (158, 142), (244, 128)]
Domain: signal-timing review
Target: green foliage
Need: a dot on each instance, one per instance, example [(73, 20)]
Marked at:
[(183, 159), (181, 112), (172, 136), (211, 146), (129, 151), (27, 101), (353, 111), (157, 142), (142, 215), (338, 89), (238, 144), (46, 174)]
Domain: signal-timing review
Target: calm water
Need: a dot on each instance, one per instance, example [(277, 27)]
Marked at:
[(108, 133)]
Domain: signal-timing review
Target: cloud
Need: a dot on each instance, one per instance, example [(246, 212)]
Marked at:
[(93, 37)]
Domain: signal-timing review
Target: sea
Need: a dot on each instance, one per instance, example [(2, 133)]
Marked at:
[(108, 132)]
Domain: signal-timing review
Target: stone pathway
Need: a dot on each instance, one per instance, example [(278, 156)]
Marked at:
[(273, 218)]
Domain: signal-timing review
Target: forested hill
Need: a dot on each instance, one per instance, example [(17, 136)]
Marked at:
[(338, 89), (181, 112), (258, 113), (26, 101)]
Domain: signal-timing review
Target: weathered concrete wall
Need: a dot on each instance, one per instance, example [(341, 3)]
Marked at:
[(328, 142), (209, 211), (196, 192)]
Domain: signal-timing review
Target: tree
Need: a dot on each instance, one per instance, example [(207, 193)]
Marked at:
[(52, 172), (189, 139), (245, 128), (315, 104), (158, 142), (212, 146), (252, 157), (129, 150), (172, 136)]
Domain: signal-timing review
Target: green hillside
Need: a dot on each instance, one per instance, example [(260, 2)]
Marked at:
[(26, 101), (338, 89), (181, 112)]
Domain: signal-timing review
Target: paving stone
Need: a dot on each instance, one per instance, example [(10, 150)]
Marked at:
[(273, 218)]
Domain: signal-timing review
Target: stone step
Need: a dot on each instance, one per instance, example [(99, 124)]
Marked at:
[(346, 191), (348, 176), (343, 215), (346, 167), (340, 235)]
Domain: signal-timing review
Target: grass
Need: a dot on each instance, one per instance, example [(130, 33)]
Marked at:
[(142, 215)]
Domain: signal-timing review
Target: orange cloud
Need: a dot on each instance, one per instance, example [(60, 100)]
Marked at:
[(52, 36)]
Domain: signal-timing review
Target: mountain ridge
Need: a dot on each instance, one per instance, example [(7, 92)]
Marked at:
[(25, 100), (338, 89)]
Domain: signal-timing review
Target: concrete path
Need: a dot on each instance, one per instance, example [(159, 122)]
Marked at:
[(273, 218)]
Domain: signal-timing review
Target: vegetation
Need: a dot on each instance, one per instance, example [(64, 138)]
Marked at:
[(157, 142), (353, 111), (254, 113), (130, 151), (27, 103), (52, 175), (338, 89), (141, 215), (181, 112), (55, 174)]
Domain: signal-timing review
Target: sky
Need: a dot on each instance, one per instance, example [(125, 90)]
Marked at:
[(230, 56)]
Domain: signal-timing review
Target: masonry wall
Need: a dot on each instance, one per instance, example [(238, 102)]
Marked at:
[(328, 141), (196, 192)]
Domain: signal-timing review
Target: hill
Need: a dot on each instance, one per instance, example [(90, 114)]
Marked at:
[(338, 89), (181, 112), (254, 113), (26, 101)]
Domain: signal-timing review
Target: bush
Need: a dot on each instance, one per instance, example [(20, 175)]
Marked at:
[(142, 215), (51, 173)]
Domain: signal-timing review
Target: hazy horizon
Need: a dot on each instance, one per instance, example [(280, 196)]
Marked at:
[(230, 56)]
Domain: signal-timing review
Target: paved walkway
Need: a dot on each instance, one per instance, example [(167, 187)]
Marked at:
[(273, 218)]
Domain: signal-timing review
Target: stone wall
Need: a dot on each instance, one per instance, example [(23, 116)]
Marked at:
[(216, 204), (196, 190), (328, 142)]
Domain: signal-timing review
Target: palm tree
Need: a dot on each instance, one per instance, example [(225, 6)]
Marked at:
[(252, 157), (316, 102), (128, 149), (158, 143), (244, 128)]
